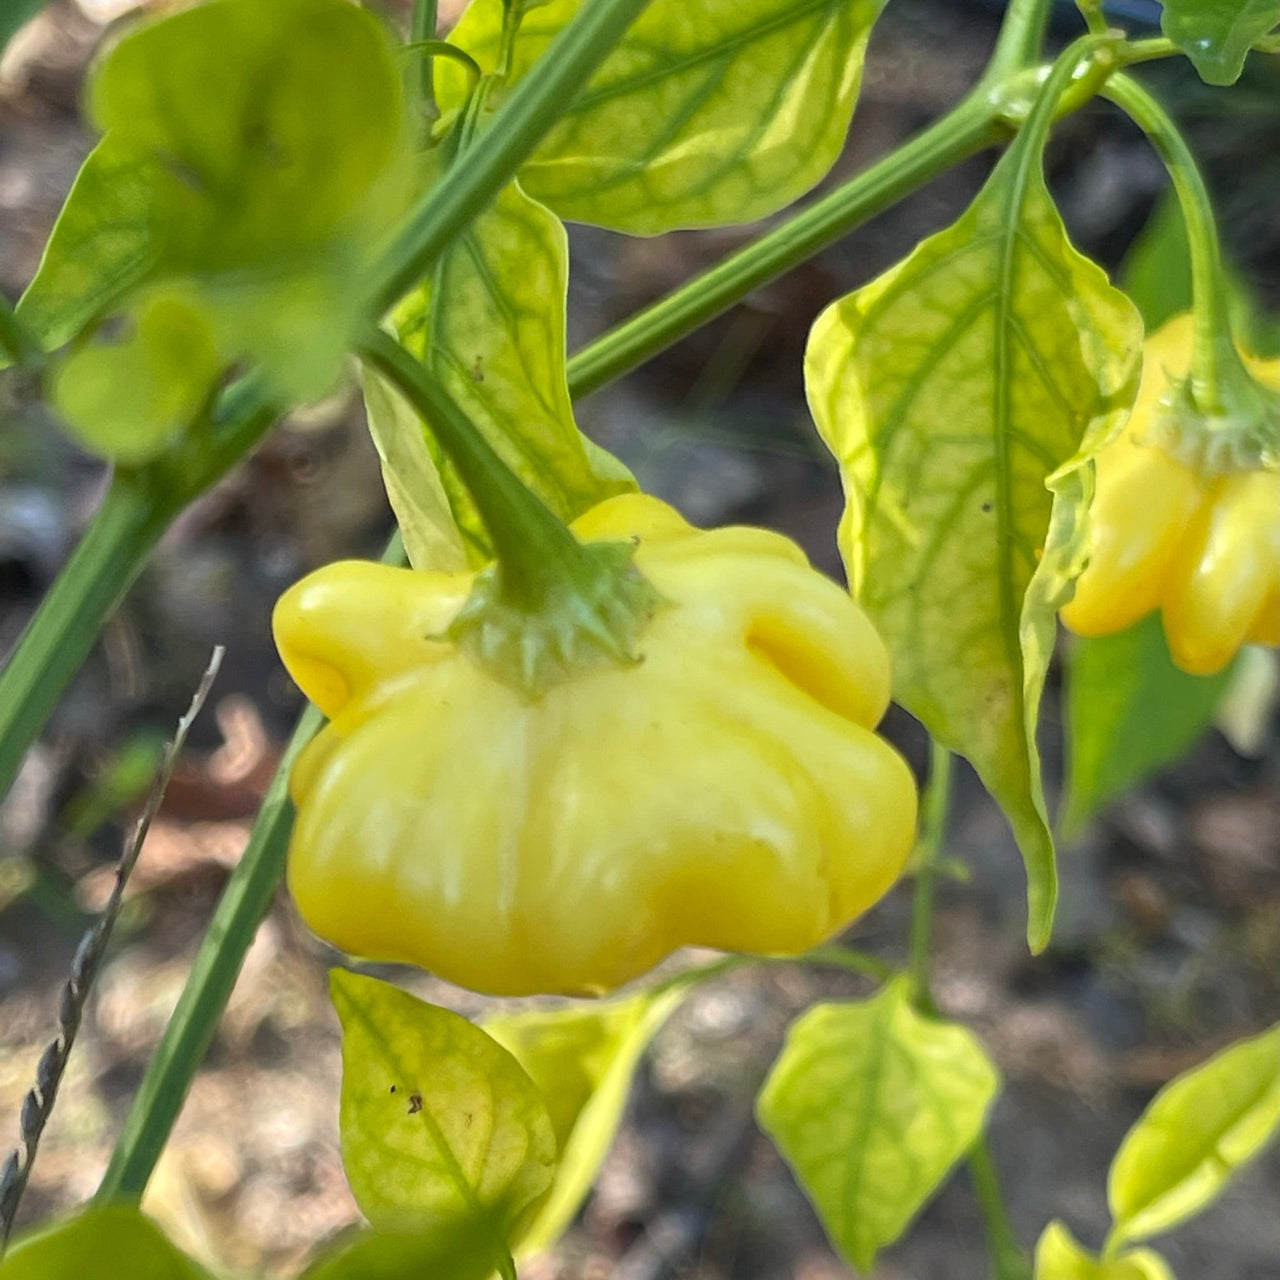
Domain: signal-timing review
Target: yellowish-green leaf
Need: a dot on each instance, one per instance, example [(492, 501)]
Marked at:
[(872, 1104), (127, 400), (490, 325), (708, 112), (273, 123), (1217, 34), (1199, 1129), (223, 166), (103, 243), (432, 539), (1060, 1257), (440, 1125), (105, 1243), (582, 1057), (962, 393), (443, 1252)]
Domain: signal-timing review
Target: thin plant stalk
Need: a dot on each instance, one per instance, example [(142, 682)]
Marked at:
[(38, 1105), (1007, 1257)]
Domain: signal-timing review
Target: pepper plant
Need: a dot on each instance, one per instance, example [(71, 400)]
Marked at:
[(573, 733)]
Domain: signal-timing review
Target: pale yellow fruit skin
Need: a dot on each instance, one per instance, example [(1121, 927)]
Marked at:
[(726, 791), (1205, 552), (1223, 593)]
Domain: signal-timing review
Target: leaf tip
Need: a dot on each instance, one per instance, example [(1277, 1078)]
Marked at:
[(1041, 910)]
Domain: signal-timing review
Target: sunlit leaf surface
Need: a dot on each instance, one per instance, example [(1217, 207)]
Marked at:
[(582, 1057), (1216, 34), (708, 112), (962, 392), (106, 1243), (440, 1125), (871, 1104), (1199, 1130), (490, 324), (1060, 1257)]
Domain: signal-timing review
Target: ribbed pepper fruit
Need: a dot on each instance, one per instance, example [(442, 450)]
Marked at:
[(1203, 549), (726, 789)]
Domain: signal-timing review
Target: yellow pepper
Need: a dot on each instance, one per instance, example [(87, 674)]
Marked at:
[(726, 789), (1203, 549)]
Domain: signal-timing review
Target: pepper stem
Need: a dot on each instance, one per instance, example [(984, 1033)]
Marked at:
[(532, 547), (1221, 398), (1213, 345), (550, 606)]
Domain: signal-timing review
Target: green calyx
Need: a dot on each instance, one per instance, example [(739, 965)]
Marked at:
[(549, 608), (574, 623), (1234, 426)]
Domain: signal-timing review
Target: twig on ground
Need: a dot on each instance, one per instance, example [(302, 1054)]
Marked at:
[(38, 1104)]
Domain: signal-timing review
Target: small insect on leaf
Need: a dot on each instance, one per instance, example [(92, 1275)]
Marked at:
[(417, 1160)]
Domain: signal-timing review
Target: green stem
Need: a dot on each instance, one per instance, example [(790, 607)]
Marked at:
[(422, 31), (1214, 355), (111, 553), (532, 547), (833, 956), (836, 956), (1021, 39), (1007, 1256), (1150, 50), (443, 49), (17, 342), (190, 1030), (965, 130), (534, 105), (933, 828), (1091, 12), (62, 632), (512, 18)]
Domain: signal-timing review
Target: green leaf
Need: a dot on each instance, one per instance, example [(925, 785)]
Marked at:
[(708, 112), (104, 1243), (1130, 711), (103, 243), (962, 393), (490, 325), (128, 400), (871, 1104), (1156, 272), (582, 1057), (1059, 1257), (1199, 1129), (432, 539), (1217, 34), (264, 181), (440, 1125), (265, 152), (447, 1252)]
